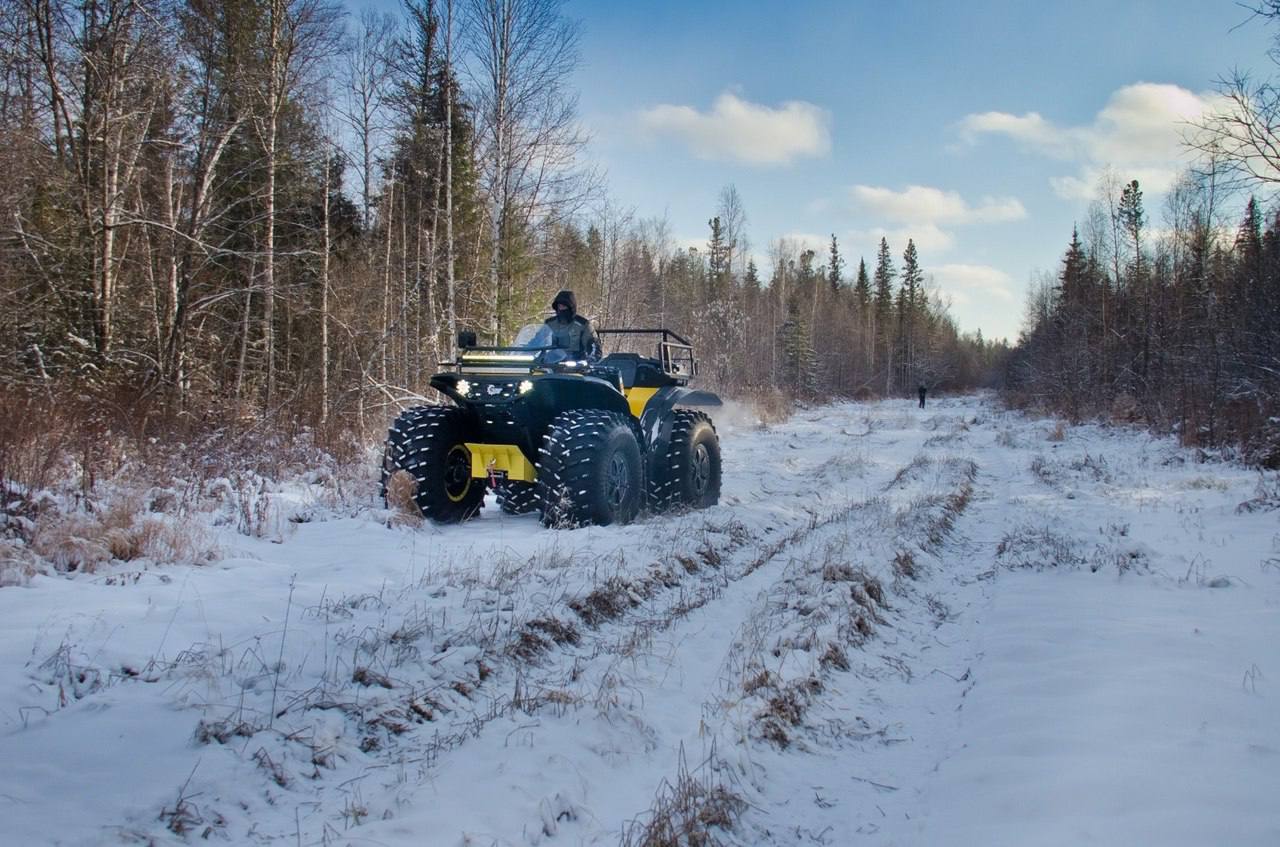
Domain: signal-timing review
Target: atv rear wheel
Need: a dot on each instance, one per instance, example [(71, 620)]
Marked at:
[(516, 497), (590, 470), (428, 443), (689, 474)]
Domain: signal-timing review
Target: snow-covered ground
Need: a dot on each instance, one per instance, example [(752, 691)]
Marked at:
[(955, 625)]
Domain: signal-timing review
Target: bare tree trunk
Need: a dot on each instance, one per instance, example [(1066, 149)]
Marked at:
[(246, 330), (367, 80), (386, 282), (324, 296), (451, 306), (402, 323), (415, 378), (100, 80), (524, 51), (496, 211), (192, 236), (269, 272), (275, 97)]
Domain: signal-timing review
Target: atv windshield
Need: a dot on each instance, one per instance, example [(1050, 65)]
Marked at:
[(533, 336), (539, 337)]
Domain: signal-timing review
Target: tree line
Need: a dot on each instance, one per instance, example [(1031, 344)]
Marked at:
[(1177, 326), (1179, 329), (269, 207)]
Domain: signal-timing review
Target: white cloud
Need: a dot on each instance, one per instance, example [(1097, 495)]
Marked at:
[(928, 237), (920, 213), (919, 204), (981, 297), (1084, 186), (1031, 130), (743, 131), (969, 283), (1075, 187), (1138, 132)]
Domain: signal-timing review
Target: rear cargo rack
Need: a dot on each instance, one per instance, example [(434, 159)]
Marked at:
[(673, 351)]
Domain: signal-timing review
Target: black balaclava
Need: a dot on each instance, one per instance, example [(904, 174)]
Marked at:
[(566, 297)]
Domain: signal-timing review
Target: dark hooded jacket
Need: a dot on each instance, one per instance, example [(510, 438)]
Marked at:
[(571, 331)]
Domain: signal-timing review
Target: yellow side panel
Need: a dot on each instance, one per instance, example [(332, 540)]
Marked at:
[(637, 398), (500, 457)]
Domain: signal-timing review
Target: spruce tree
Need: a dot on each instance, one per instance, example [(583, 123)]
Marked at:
[(882, 312), (718, 252), (799, 359), (834, 265), (862, 289), (909, 309)]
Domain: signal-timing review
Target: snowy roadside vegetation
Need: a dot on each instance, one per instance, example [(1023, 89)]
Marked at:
[(900, 626)]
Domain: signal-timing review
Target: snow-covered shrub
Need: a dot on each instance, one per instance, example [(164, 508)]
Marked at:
[(1119, 550), (687, 811), (1204, 483), (1263, 449), (401, 487), (17, 563), (82, 483), (1266, 495), (1038, 548), (82, 541)]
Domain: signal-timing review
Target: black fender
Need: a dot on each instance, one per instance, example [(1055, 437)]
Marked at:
[(446, 384), (697, 397), (656, 419), (560, 392)]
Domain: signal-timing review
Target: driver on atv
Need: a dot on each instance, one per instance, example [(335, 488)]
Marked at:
[(571, 331)]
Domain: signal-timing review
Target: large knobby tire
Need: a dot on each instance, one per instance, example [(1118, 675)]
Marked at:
[(428, 443), (590, 470), (688, 476), (516, 497)]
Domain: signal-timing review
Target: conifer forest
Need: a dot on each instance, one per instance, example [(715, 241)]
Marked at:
[(277, 211), (937, 480)]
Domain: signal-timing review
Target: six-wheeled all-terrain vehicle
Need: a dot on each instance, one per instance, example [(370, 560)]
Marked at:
[(577, 441)]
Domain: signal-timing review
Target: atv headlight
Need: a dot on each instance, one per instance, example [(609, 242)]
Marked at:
[(464, 387), (525, 386)]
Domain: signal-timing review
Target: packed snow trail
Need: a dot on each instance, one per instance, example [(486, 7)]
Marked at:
[(900, 626)]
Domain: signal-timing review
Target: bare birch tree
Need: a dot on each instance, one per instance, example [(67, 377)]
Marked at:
[(522, 53), (365, 106), (301, 35), (103, 65)]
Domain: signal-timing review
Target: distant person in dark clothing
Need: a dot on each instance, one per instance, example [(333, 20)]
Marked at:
[(923, 390), (571, 331)]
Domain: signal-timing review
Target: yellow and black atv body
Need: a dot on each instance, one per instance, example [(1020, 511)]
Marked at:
[(577, 441)]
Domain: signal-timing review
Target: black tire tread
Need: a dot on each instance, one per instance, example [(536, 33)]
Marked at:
[(415, 443), (668, 481), (567, 460)]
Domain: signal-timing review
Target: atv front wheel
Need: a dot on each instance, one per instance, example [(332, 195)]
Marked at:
[(428, 443), (589, 470), (689, 474)]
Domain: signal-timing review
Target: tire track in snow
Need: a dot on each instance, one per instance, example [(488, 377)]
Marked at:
[(762, 671), (479, 693), (657, 675)]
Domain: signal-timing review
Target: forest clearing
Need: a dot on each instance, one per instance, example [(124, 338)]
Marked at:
[(899, 626)]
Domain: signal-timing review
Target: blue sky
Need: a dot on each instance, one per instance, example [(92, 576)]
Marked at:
[(976, 128)]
